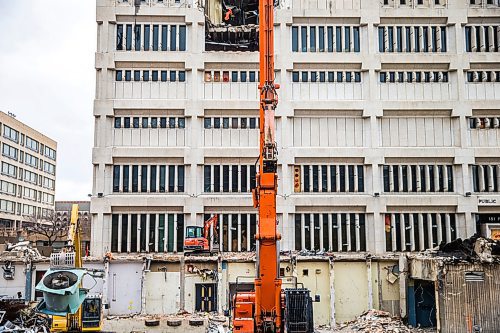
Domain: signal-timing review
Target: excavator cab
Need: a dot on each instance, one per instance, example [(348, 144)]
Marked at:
[(194, 239)]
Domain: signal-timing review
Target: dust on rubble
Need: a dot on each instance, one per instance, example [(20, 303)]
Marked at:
[(375, 321)]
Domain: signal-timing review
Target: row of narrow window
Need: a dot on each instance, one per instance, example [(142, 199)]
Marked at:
[(325, 39), (412, 39), (329, 178), (418, 231), (391, 77), (337, 232), (148, 75), (413, 2), (236, 76), (483, 76), (484, 123), (148, 178), (227, 122), (147, 37), (482, 38), (236, 232), (147, 233), (485, 2), (150, 122), (486, 178), (418, 178), (228, 178), (322, 76)]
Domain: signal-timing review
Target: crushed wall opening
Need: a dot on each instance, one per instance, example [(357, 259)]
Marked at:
[(232, 25)]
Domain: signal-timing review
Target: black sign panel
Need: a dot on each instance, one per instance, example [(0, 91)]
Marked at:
[(488, 218)]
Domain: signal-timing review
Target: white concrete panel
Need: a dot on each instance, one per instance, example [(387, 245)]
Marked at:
[(124, 293), (162, 292)]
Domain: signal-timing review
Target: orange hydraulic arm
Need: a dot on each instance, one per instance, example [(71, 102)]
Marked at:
[(267, 282), (208, 224)]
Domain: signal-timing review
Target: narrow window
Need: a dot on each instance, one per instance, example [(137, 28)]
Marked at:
[(321, 39), (331, 76), (144, 178), (118, 75), (133, 227), (137, 75), (147, 29), (356, 39), (181, 123), (390, 34), (119, 37), (295, 39), (143, 232), (347, 39), (152, 179), (306, 181), (164, 34), (171, 122), (361, 178), (182, 76), (137, 33), (128, 75), (252, 76), (162, 178), (118, 122), (163, 122), (315, 176), (443, 39), (234, 174), (163, 76), (417, 39), (114, 233), (155, 37), (322, 77), (234, 123), (116, 178), (145, 76), (225, 123), (207, 123), (357, 77), (243, 176), (145, 122), (339, 76), (381, 40), (243, 76), (125, 178), (124, 232), (182, 38), (234, 76), (173, 75), (128, 38), (303, 38), (408, 39), (126, 122), (329, 31), (295, 76), (135, 122), (216, 178), (342, 183), (154, 76), (425, 38), (314, 76), (434, 39), (173, 38), (338, 38), (135, 178), (171, 178), (348, 76), (304, 76), (312, 37), (180, 178), (225, 178), (399, 39)]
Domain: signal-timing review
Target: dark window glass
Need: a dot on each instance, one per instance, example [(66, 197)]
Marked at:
[(252, 123), (321, 39), (418, 76), (154, 75), (234, 76), (357, 77), (434, 39), (163, 122), (163, 76), (181, 122), (225, 178), (425, 39), (207, 123), (135, 178), (348, 76), (314, 76), (116, 178), (126, 122), (306, 180), (128, 39), (234, 123), (144, 178), (128, 75), (322, 77), (252, 76), (125, 178), (356, 39), (295, 39), (338, 38), (225, 122), (399, 39), (443, 39), (392, 77), (383, 77), (147, 29), (171, 122), (243, 122), (162, 177), (303, 38), (135, 122), (390, 39), (381, 39), (180, 178), (173, 38), (154, 122), (182, 38), (329, 32), (145, 122), (216, 122), (164, 34), (312, 37), (114, 233), (295, 76), (417, 39), (243, 76), (156, 36), (171, 178), (243, 176), (408, 39), (137, 32), (137, 75), (331, 76), (118, 122), (118, 75), (339, 76), (145, 75), (119, 37), (234, 174), (347, 39), (304, 76), (173, 75)]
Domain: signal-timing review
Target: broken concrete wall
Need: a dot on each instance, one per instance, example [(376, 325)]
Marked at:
[(351, 290), (197, 273), (423, 269), (469, 295), (15, 286), (162, 288), (385, 287)]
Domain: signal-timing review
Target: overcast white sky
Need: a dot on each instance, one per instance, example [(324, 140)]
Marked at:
[(47, 79)]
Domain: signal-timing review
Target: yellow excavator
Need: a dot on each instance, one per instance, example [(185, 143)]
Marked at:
[(65, 299)]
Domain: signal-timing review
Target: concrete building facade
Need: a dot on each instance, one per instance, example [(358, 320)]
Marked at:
[(388, 132), (28, 174)]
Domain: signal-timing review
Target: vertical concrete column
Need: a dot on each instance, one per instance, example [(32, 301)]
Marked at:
[(332, 292)]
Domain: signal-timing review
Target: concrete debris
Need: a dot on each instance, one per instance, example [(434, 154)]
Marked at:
[(375, 321), (205, 273), (20, 251), (473, 249), (27, 321)]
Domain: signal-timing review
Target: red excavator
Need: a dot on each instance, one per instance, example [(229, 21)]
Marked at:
[(269, 308), (197, 239)]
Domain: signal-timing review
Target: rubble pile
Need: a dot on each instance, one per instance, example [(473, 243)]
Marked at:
[(475, 248), (27, 321), (19, 251), (375, 321)]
